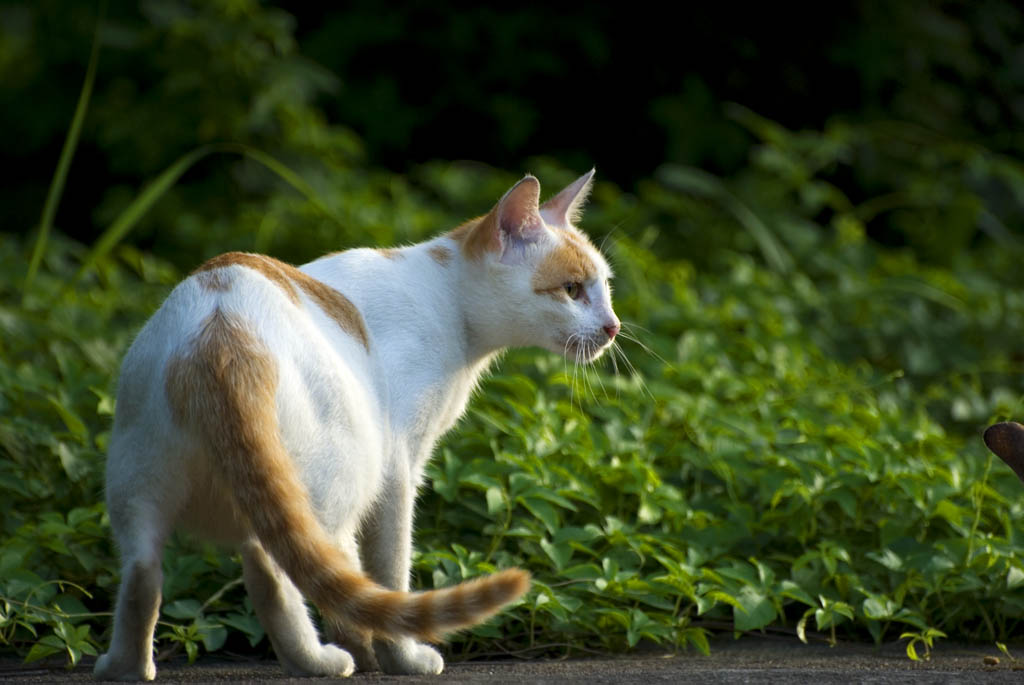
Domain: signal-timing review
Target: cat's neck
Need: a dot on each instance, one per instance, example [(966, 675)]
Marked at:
[(429, 347)]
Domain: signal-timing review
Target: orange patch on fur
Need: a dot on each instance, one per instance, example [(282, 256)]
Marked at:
[(567, 263), (334, 305), (478, 236), (286, 277), (440, 254), (390, 252), (268, 266)]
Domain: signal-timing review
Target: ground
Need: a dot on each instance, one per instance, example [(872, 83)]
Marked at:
[(748, 660)]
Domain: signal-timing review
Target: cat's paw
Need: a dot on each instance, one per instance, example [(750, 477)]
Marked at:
[(407, 657), (109, 668), (357, 643), (328, 660)]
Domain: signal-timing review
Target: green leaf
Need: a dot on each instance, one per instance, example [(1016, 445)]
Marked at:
[(911, 649), (801, 626), (213, 634), (754, 611), (541, 509), (183, 609), (560, 554), (73, 422), (247, 624), (879, 608), (41, 650), (495, 500), (698, 637)]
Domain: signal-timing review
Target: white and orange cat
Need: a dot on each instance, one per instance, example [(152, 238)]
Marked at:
[(291, 411)]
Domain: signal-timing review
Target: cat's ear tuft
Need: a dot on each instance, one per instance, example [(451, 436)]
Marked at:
[(565, 208), (517, 218)]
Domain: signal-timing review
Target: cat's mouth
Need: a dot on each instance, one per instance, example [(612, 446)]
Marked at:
[(582, 350)]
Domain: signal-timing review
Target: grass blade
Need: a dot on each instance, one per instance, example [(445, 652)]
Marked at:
[(138, 208), (168, 177), (284, 172), (66, 154)]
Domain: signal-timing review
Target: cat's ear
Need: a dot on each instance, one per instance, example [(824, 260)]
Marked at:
[(516, 219), (565, 209), (511, 227)]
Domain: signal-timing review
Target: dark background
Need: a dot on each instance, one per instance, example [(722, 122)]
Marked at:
[(624, 87)]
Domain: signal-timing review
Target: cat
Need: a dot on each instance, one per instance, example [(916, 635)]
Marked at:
[(290, 412)]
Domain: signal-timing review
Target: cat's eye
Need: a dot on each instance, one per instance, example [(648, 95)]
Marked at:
[(574, 289)]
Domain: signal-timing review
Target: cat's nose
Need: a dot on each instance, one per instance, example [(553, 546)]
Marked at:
[(612, 330)]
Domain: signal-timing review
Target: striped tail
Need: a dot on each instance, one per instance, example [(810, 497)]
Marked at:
[(226, 388)]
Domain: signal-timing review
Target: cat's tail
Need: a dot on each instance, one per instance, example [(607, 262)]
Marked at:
[(225, 387)]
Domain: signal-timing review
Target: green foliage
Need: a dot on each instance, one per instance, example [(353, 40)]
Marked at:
[(788, 438), (926, 638)]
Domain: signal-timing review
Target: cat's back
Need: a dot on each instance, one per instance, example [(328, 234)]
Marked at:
[(278, 304), (312, 333)]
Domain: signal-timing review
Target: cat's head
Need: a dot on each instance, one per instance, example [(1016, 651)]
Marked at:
[(534, 278)]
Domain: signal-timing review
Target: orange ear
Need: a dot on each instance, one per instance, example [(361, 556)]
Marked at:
[(565, 208), (509, 228), (1006, 440)]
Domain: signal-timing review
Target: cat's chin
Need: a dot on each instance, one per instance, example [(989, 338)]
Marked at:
[(583, 351)]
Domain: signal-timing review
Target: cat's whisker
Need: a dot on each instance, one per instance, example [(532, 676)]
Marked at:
[(597, 374), (615, 229), (633, 372), (575, 369), (616, 351), (588, 383), (582, 372), (628, 331), (644, 346), (607, 236), (588, 390), (630, 325), (565, 360)]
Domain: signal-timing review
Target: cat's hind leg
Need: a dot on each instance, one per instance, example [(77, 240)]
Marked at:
[(387, 550), (140, 536), (358, 643), (284, 616)]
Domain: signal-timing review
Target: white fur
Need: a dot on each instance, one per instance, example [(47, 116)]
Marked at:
[(360, 425)]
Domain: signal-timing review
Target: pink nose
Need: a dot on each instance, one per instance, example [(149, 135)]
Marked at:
[(612, 330)]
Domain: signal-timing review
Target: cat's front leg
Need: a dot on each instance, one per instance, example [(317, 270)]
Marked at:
[(387, 548)]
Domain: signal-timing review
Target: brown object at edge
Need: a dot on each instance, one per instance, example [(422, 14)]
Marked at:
[(1006, 440)]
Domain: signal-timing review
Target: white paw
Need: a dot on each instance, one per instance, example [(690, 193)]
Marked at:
[(407, 657), (107, 668), (328, 660)]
